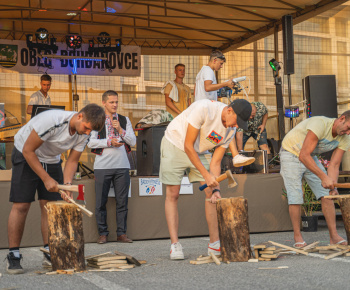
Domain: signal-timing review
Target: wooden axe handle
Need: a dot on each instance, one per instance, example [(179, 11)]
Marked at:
[(68, 187), (337, 196), (218, 179), (342, 185), (89, 213)]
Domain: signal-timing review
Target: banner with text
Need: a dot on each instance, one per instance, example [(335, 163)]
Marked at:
[(15, 55)]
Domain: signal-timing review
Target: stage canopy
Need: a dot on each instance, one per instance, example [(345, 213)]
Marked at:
[(159, 26)]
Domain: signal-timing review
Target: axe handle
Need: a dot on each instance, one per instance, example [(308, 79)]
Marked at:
[(342, 185), (68, 187), (218, 179), (89, 213)]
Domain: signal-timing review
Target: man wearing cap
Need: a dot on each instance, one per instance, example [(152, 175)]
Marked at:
[(206, 86), (203, 126)]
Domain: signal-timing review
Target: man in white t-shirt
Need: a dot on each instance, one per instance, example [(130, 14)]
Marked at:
[(203, 126), (36, 166), (40, 97), (206, 86), (111, 146), (313, 136)]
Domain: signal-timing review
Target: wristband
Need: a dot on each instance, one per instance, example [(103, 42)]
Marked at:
[(216, 190), (68, 183)]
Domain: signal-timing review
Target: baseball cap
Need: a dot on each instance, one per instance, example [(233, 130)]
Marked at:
[(243, 110)]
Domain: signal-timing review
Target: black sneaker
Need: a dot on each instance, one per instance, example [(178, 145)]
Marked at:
[(46, 261), (14, 264)]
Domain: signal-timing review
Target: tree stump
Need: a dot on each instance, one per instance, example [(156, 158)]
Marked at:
[(66, 237), (345, 211), (233, 229)]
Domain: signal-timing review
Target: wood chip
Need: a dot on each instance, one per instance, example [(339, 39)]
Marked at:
[(126, 267), (336, 254), (45, 251), (273, 268), (142, 262), (99, 255), (215, 259), (289, 248)]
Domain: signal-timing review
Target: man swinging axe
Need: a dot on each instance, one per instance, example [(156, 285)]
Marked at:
[(203, 126), (36, 166)]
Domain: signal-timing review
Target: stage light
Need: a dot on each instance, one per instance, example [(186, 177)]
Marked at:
[(74, 41), (42, 34), (103, 38), (118, 44), (274, 64), (29, 38)]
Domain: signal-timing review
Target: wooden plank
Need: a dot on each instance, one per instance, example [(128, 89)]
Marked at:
[(253, 260), (310, 246), (289, 248), (256, 253), (266, 256), (215, 259), (259, 247), (325, 248), (119, 262), (99, 255), (264, 259), (130, 259), (336, 254), (108, 258)]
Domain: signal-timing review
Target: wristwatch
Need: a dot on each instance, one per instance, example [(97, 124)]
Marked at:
[(216, 190)]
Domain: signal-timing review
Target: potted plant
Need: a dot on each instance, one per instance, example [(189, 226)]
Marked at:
[(310, 205)]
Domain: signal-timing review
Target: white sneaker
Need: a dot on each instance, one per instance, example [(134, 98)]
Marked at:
[(241, 160), (176, 252), (215, 249)]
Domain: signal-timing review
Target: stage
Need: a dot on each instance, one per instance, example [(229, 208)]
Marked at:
[(267, 209)]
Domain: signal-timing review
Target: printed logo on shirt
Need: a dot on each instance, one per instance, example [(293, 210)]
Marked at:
[(214, 137)]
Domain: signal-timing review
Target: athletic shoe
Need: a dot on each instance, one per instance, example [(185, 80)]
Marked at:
[(46, 261), (241, 160), (215, 249), (14, 264), (176, 252)]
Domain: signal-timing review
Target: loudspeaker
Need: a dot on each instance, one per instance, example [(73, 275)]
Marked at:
[(148, 150), (320, 93), (288, 45)]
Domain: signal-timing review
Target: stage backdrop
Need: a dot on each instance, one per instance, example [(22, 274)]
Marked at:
[(15, 55)]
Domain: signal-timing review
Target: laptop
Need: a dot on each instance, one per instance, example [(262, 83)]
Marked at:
[(37, 109)]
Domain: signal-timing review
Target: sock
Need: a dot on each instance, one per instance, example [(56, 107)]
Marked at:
[(214, 244), (15, 252)]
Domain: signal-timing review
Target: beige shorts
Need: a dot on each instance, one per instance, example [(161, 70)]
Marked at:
[(174, 162)]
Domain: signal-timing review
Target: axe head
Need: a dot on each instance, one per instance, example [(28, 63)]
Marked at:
[(81, 189), (231, 181)]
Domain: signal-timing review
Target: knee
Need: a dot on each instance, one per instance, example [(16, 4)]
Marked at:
[(172, 196), (21, 208)]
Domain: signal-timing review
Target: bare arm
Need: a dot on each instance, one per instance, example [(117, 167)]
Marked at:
[(29, 109), (333, 167), (170, 103), (191, 136), (238, 142), (309, 145), (209, 86), (34, 142)]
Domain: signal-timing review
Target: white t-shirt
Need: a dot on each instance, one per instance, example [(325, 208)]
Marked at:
[(204, 115), (52, 126), (205, 74), (39, 99)]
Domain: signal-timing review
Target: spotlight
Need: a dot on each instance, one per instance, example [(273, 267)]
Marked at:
[(103, 38), (41, 34), (274, 64), (29, 38), (74, 41)]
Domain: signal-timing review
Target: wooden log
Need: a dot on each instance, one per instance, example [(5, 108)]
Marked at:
[(66, 237), (233, 229), (345, 211)]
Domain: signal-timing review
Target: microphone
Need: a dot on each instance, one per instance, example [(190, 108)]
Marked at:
[(115, 130), (240, 79)]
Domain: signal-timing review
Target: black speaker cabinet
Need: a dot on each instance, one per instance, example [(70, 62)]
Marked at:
[(320, 93), (288, 45), (148, 150)]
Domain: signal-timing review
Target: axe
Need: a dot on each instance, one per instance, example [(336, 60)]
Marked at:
[(76, 188), (227, 175)]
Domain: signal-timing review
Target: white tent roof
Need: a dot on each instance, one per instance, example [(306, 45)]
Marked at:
[(158, 26)]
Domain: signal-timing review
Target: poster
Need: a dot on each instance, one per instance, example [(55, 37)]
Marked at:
[(150, 187)]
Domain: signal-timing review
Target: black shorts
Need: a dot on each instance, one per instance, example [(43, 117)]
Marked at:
[(25, 182)]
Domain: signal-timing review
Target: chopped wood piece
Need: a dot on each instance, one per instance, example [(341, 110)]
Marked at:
[(194, 262), (328, 251), (99, 255), (119, 262), (259, 246), (271, 248), (126, 266), (45, 251), (273, 268), (130, 259), (266, 256), (142, 262), (343, 247), (263, 259), (336, 254), (267, 252), (107, 270), (289, 248), (256, 253), (310, 246), (329, 247), (215, 259), (205, 258), (107, 258), (253, 260), (52, 273)]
